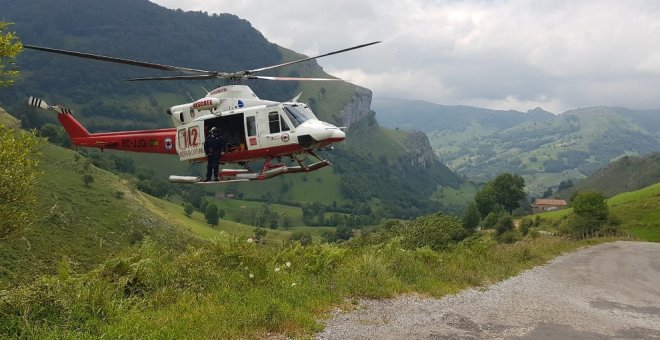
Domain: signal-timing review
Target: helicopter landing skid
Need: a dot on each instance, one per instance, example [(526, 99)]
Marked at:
[(241, 175)]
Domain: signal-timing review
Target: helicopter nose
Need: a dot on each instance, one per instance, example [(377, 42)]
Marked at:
[(338, 135)]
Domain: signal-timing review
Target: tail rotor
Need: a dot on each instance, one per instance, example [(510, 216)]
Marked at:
[(40, 103)]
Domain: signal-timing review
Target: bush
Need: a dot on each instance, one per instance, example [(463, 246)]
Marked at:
[(436, 231), (592, 206), (188, 209), (525, 224), (504, 224), (490, 220), (590, 213), (304, 237), (509, 236)]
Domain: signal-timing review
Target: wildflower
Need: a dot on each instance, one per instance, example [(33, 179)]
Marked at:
[(251, 276), (288, 264), (250, 240), (293, 284), (277, 269)]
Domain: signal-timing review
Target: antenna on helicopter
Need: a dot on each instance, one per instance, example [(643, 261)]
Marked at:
[(207, 91), (189, 96)]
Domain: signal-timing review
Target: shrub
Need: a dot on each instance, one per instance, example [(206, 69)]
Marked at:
[(436, 231), (525, 224), (509, 236), (304, 237), (504, 224), (490, 220), (188, 209)]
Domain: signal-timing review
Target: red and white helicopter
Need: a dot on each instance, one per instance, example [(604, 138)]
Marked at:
[(255, 129)]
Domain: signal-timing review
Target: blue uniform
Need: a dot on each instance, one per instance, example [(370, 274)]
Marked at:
[(213, 147)]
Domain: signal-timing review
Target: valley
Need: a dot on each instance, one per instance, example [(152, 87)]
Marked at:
[(422, 203)]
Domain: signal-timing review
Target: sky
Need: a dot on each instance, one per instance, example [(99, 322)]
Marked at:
[(498, 54)]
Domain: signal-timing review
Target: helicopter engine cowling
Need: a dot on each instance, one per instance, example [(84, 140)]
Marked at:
[(207, 103)]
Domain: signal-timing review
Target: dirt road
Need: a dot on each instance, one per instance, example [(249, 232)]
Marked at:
[(606, 291)]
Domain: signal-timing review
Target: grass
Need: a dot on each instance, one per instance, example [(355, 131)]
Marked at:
[(84, 224), (638, 210), (240, 289)]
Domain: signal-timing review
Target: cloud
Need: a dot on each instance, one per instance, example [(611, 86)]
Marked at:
[(562, 54)]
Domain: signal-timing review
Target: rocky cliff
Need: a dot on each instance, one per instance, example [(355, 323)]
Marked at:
[(357, 107)]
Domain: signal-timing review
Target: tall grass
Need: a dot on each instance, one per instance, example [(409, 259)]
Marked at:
[(241, 289)]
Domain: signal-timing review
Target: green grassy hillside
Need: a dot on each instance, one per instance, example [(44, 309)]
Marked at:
[(87, 225), (638, 210), (84, 224), (625, 174), (543, 148)]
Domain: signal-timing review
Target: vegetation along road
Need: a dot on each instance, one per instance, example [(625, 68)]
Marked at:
[(605, 291)]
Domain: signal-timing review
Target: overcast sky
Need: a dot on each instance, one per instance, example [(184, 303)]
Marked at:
[(502, 54)]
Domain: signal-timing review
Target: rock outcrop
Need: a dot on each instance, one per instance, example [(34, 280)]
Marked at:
[(356, 108)]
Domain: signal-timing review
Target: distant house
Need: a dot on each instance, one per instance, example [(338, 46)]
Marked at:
[(541, 205)]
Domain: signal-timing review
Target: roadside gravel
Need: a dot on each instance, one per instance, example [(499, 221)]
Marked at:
[(606, 291)]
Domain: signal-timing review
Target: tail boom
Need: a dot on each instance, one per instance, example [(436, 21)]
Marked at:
[(150, 141)]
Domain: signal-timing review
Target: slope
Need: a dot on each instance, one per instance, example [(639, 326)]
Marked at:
[(625, 174), (639, 212), (83, 224)]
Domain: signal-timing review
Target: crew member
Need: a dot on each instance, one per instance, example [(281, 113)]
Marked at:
[(214, 149)]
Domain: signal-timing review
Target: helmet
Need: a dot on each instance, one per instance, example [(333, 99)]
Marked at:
[(214, 131)]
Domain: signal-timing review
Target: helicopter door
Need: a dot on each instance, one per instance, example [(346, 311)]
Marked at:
[(251, 137), (276, 130), (190, 140)]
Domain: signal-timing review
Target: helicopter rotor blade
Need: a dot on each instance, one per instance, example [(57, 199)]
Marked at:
[(192, 77), (195, 74), (310, 58), (292, 78), (120, 60)]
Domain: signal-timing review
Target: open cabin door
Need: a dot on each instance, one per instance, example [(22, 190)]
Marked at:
[(190, 141)]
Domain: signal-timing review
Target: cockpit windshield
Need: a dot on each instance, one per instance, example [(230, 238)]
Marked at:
[(298, 114)]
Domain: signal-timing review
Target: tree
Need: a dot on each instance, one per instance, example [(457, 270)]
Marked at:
[(471, 217), (285, 221), (211, 214), (10, 47), (18, 175), (188, 209), (88, 180), (485, 200), (509, 190), (592, 206), (590, 213)]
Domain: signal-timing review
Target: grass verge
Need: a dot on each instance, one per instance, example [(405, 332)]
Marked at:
[(241, 289)]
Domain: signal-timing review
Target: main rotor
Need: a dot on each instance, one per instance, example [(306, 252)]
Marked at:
[(197, 74)]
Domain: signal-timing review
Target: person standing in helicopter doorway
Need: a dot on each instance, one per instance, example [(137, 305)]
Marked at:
[(214, 149)]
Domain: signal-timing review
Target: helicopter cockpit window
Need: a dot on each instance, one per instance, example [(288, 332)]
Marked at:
[(274, 122), (296, 114)]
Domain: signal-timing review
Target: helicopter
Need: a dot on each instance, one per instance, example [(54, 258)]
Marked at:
[(254, 128)]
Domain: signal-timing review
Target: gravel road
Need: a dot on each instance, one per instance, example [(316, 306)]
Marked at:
[(608, 291)]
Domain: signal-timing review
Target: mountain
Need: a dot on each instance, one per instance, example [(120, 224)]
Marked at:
[(544, 148), (140, 30), (628, 173)]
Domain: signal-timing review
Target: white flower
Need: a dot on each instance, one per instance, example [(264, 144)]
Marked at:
[(251, 276), (293, 284), (277, 269), (288, 264), (250, 240)]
